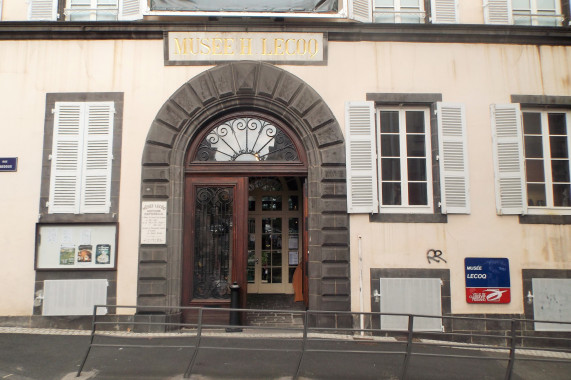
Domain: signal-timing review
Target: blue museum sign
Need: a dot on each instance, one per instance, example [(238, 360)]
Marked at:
[(487, 280)]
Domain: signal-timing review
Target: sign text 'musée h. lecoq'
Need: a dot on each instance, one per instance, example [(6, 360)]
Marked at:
[(201, 47)]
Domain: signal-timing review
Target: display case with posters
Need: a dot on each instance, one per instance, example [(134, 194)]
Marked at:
[(76, 246)]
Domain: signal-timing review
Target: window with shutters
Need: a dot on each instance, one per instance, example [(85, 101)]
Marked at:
[(84, 10), (81, 153), (403, 161), (524, 12), (81, 157), (404, 11), (531, 158)]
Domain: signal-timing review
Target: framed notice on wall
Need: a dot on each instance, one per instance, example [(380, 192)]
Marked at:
[(154, 222), (76, 246)]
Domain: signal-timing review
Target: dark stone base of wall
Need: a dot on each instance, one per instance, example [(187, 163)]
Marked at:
[(157, 323), (498, 327), (105, 322), (485, 329)]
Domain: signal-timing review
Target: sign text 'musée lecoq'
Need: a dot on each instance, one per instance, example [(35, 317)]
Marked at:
[(193, 48)]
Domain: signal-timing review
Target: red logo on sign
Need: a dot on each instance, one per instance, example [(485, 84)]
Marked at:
[(488, 295)]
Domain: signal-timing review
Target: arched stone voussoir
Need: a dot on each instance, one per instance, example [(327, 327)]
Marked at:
[(173, 115), (318, 116), (328, 135), (289, 87), (245, 76), (223, 80), (187, 100), (305, 100), (268, 78)]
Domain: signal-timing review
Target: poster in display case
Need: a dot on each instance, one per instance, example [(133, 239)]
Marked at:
[(76, 246)]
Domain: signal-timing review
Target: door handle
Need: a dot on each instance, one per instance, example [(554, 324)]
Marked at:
[(257, 260)]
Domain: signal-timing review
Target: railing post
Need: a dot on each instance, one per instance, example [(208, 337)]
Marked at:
[(511, 360), (195, 353), (305, 319), (408, 346), (93, 324)]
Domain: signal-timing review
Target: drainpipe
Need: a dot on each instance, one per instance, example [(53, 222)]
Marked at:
[(361, 299)]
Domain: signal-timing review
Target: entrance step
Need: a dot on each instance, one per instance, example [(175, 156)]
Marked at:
[(274, 303)]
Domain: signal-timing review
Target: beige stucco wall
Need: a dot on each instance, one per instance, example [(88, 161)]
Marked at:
[(470, 12), (14, 10), (476, 75)]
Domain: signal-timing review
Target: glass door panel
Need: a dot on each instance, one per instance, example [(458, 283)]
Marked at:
[(273, 235)]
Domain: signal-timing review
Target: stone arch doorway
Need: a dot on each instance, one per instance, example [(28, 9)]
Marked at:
[(256, 87)]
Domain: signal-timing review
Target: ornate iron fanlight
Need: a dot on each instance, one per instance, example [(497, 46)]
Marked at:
[(246, 140)]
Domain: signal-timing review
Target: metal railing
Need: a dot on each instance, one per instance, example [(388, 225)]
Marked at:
[(508, 347)]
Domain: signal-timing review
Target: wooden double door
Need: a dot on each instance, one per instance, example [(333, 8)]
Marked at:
[(247, 230)]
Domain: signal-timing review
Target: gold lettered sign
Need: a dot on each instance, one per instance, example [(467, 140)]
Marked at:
[(195, 48)]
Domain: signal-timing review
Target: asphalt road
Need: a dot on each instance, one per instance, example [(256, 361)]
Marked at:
[(46, 357)]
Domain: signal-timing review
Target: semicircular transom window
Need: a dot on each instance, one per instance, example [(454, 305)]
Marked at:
[(246, 139)]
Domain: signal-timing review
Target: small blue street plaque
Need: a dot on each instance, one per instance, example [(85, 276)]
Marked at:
[(8, 164)]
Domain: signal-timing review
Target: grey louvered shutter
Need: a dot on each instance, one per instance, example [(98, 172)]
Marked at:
[(361, 157), (66, 158), (411, 296), (361, 10), (97, 158), (42, 10), (453, 158), (130, 10), (444, 11), (508, 159), (498, 12)]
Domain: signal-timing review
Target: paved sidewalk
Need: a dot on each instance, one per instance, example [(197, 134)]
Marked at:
[(45, 354)]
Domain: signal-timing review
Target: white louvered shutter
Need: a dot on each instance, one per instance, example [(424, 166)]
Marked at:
[(361, 10), (130, 10), (66, 158), (444, 11), (361, 157), (97, 158), (453, 157), (498, 12), (42, 10), (508, 159)]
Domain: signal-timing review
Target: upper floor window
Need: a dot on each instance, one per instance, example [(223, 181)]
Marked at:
[(523, 12), (531, 156), (536, 12), (84, 10), (404, 11), (398, 11), (92, 10)]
